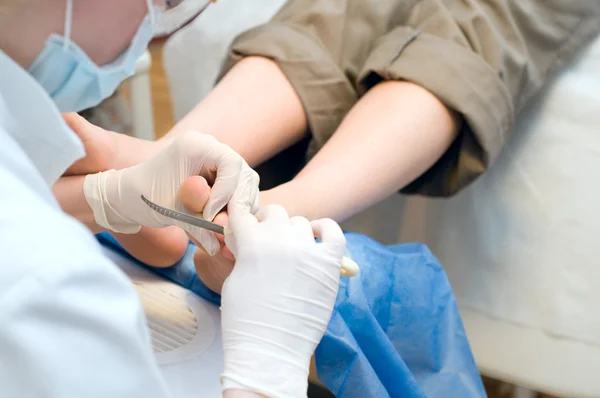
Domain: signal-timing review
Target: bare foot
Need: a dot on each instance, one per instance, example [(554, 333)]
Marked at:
[(100, 146), (106, 149), (194, 193), (212, 270)]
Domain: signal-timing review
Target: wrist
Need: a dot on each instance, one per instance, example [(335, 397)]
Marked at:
[(265, 374), (101, 191)]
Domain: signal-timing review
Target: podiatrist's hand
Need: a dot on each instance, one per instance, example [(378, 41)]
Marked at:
[(115, 195), (278, 300)]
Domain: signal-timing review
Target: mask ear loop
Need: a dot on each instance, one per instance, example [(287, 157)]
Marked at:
[(151, 12), (69, 20), (68, 23)]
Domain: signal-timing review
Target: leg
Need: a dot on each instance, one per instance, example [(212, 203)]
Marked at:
[(395, 133), (257, 126)]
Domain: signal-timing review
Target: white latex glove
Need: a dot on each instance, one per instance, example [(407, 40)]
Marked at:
[(278, 300), (115, 195)]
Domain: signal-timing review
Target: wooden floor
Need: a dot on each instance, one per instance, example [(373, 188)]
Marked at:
[(164, 120), (161, 96)]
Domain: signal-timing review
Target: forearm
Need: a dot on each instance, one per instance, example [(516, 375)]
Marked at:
[(254, 110), (156, 247), (394, 134)]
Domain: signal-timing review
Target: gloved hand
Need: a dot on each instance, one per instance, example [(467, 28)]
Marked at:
[(278, 300), (115, 195)]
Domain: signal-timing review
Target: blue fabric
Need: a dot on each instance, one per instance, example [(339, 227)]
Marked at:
[(395, 330)]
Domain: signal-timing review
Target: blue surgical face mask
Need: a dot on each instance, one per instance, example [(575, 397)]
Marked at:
[(73, 80)]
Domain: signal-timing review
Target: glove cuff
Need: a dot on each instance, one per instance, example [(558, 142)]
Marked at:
[(106, 216), (263, 373)]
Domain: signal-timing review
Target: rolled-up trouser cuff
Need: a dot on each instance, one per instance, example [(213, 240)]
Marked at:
[(465, 83)]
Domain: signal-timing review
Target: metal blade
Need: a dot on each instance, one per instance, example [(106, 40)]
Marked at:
[(186, 218)]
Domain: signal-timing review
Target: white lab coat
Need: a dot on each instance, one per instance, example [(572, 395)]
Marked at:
[(71, 324)]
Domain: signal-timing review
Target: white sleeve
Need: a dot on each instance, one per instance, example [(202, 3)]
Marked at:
[(76, 332), (71, 324)]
